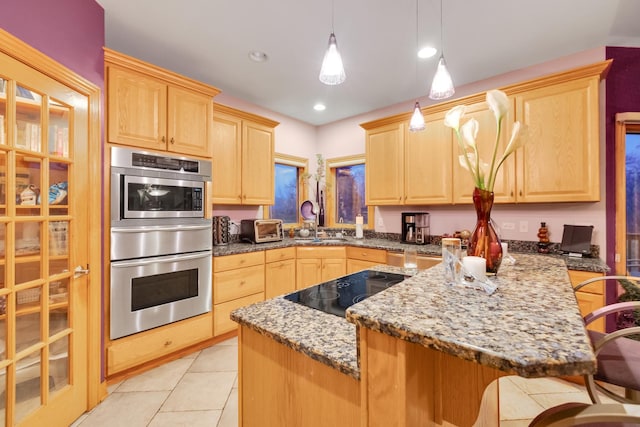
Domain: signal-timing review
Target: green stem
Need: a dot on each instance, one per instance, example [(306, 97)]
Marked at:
[(492, 173)]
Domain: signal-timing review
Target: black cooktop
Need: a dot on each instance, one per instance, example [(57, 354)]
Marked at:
[(336, 295)]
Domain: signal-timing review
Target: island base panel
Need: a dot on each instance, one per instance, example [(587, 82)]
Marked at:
[(279, 386), (405, 384)]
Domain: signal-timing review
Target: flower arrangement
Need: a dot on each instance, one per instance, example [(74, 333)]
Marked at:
[(483, 174)]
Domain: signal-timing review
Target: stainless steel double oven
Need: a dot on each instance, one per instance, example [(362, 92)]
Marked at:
[(160, 240)]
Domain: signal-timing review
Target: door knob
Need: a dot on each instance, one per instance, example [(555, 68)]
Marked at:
[(79, 271)]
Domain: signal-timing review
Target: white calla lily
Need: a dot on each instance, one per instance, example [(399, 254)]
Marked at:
[(453, 117), (483, 174), (498, 103)]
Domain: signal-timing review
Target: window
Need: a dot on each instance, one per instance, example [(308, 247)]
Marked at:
[(288, 191), (346, 187)]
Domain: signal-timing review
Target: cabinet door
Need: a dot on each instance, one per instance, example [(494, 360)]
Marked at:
[(308, 272), (463, 184), (137, 109), (227, 159), (428, 166), (385, 165), (560, 159), (333, 268), (355, 265), (257, 164), (280, 278), (188, 120)]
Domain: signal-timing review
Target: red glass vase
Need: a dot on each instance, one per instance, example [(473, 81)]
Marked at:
[(484, 241)]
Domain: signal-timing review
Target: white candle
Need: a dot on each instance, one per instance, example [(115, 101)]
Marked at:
[(475, 265)]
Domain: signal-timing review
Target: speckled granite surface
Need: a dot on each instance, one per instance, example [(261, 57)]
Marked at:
[(584, 264), (531, 326), (323, 337)]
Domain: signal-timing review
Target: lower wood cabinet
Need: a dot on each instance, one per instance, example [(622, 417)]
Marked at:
[(238, 280), (591, 297), (363, 258), (396, 259), (280, 272), (318, 264), (135, 350)]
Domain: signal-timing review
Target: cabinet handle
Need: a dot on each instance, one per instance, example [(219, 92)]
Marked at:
[(163, 139), (172, 140), (521, 192), (511, 193), (168, 343), (242, 282)]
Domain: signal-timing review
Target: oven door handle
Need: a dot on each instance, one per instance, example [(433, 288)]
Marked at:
[(161, 228), (163, 259)]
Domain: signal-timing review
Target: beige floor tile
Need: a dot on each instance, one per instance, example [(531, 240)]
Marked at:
[(547, 400), (200, 391), (515, 423), (163, 377), (113, 387), (186, 419), (545, 385), (216, 359), (191, 355), (230, 413), (79, 421), (230, 341), (134, 409), (515, 404)]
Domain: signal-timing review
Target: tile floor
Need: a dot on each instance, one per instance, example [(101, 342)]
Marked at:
[(200, 390)]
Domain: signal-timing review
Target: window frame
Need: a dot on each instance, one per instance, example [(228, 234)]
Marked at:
[(303, 168), (331, 165)]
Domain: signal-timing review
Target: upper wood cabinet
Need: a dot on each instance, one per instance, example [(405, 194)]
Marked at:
[(559, 162), (406, 167), (152, 108), (243, 150)]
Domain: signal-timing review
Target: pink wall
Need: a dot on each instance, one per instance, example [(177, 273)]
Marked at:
[(69, 31)]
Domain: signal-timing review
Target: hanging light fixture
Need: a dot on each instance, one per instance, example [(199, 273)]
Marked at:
[(332, 70), (442, 85), (417, 119)]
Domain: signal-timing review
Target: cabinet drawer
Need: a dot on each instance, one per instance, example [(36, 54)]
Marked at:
[(397, 260), (232, 284), (137, 349), (367, 254), (321, 252), (577, 277), (222, 323), (273, 255), (230, 262)]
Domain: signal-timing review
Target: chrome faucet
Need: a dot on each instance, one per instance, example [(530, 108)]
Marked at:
[(341, 221)]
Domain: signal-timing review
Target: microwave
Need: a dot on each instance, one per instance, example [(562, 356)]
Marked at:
[(261, 230)]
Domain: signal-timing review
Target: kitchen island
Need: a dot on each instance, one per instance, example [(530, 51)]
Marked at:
[(419, 353)]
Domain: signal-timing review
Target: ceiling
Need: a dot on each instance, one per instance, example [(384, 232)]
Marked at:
[(209, 40)]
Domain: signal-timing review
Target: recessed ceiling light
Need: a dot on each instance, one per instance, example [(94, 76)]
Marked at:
[(257, 56), (427, 52), (319, 107)]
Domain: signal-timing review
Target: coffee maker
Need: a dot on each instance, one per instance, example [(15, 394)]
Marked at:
[(415, 227)]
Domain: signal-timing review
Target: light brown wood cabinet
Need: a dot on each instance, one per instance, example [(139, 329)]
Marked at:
[(318, 264), (396, 259), (238, 280), (364, 258), (558, 163), (152, 108), (280, 272), (591, 297), (243, 151)]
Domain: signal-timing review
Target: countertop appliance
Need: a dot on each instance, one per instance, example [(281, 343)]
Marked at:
[(335, 296), (160, 241), (261, 230), (576, 240), (415, 227), (221, 230)]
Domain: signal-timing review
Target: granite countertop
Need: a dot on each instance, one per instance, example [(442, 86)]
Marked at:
[(531, 326), (582, 264)]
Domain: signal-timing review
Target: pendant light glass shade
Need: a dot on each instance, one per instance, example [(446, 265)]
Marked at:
[(417, 119), (332, 71), (442, 85)]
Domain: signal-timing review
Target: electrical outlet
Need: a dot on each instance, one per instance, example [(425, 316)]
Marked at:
[(524, 226), (508, 226)]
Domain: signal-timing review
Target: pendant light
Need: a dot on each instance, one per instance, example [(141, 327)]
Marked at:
[(332, 70), (417, 119), (442, 85)]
